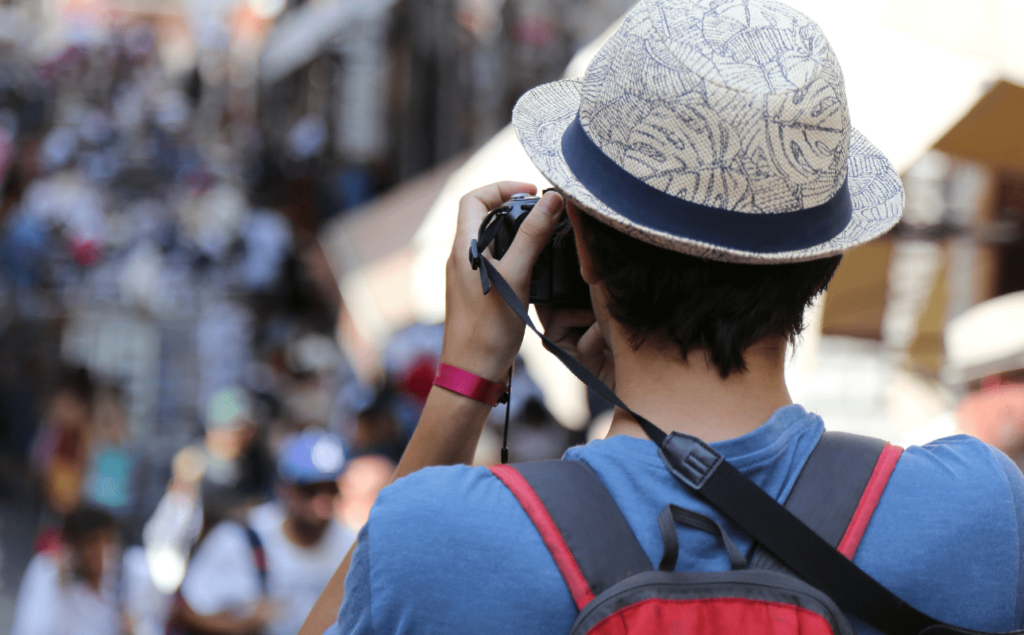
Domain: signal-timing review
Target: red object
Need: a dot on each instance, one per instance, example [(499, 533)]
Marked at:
[(419, 377), (47, 541), (534, 31), (85, 252), (869, 500), (470, 385), (578, 587), (712, 617)]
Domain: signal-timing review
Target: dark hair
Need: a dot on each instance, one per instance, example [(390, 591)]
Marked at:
[(722, 308), (85, 522), (77, 381)]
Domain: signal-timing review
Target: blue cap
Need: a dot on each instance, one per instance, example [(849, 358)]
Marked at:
[(312, 456)]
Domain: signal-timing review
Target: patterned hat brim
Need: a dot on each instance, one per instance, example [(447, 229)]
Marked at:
[(542, 115)]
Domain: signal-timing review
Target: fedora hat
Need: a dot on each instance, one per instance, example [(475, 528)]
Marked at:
[(718, 129)]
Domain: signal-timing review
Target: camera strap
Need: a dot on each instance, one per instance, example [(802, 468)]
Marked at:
[(701, 467)]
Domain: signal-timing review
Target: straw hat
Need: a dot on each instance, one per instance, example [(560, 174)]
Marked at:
[(716, 129)]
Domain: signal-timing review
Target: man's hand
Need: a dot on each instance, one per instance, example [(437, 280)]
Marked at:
[(482, 334), (577, 332)]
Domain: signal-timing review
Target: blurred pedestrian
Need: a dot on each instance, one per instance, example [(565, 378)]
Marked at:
[(74, 588), (265, 574), (230, 463), (216, 479), (60, 452), (107, 482), (984, 349), (364, 478)]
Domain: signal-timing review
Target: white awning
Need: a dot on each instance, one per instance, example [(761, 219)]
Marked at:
[(301, 34)]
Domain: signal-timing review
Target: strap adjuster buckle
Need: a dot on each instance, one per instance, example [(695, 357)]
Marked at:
[(689, 459)]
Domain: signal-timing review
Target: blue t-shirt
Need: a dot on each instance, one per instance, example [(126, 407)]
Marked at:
[(450, 550)]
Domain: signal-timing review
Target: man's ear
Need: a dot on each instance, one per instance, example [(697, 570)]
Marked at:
[(586, 262)]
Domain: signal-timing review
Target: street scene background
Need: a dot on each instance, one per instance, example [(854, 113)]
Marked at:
[(223, 224)]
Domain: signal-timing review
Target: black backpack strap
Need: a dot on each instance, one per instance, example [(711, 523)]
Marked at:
[(583, 528), (831, 488), (258, 554), (702, 468)]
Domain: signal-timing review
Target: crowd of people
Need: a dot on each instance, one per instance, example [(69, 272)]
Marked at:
[(193, 450), (243, 540)]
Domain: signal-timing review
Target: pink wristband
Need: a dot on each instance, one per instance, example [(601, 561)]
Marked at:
[(470, 385)]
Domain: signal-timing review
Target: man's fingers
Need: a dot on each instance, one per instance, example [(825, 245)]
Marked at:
[(533, 235), (591, 345), (475, 205)]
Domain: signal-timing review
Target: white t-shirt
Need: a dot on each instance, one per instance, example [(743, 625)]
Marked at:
[(222, 575), (47, 607)]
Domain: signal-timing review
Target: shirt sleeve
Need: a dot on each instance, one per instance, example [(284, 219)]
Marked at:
[(222, 573), (38, 595), (946, 534), (355, 616), (1015, 480)]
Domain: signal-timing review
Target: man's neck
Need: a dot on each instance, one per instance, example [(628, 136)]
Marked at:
[(691, 397)]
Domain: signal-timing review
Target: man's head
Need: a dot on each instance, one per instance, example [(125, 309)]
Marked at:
[(90, 536), (676, 300), (307, 471), (716, 136)]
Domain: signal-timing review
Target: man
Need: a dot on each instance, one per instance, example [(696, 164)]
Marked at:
[(217, 478), (984, 349), (232, 469), (74, 587), (712, 179), (225, 590)]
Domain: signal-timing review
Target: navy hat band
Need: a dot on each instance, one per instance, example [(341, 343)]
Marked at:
[(649, 207)]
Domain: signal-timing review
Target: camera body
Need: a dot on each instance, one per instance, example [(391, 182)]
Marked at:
[(556, 277)]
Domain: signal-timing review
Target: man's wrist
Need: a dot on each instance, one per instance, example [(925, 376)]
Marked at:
[(484, 366), (470, 385)]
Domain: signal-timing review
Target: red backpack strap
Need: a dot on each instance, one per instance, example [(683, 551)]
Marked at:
[(838, 489), (586, 533), (869, 499)]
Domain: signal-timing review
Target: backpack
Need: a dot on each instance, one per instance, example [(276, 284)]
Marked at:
[(798, 558), (618, 591)]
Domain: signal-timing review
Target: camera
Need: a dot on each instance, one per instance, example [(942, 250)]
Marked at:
[(556, 277)]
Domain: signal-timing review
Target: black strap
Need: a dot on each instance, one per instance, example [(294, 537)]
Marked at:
[(790, 540), (828, 490), (258, 554), (699, 466), (489, 277), (592, 526), (667, 520)]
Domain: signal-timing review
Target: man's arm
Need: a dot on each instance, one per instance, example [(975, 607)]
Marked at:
[(225, 622), (482, 336)]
